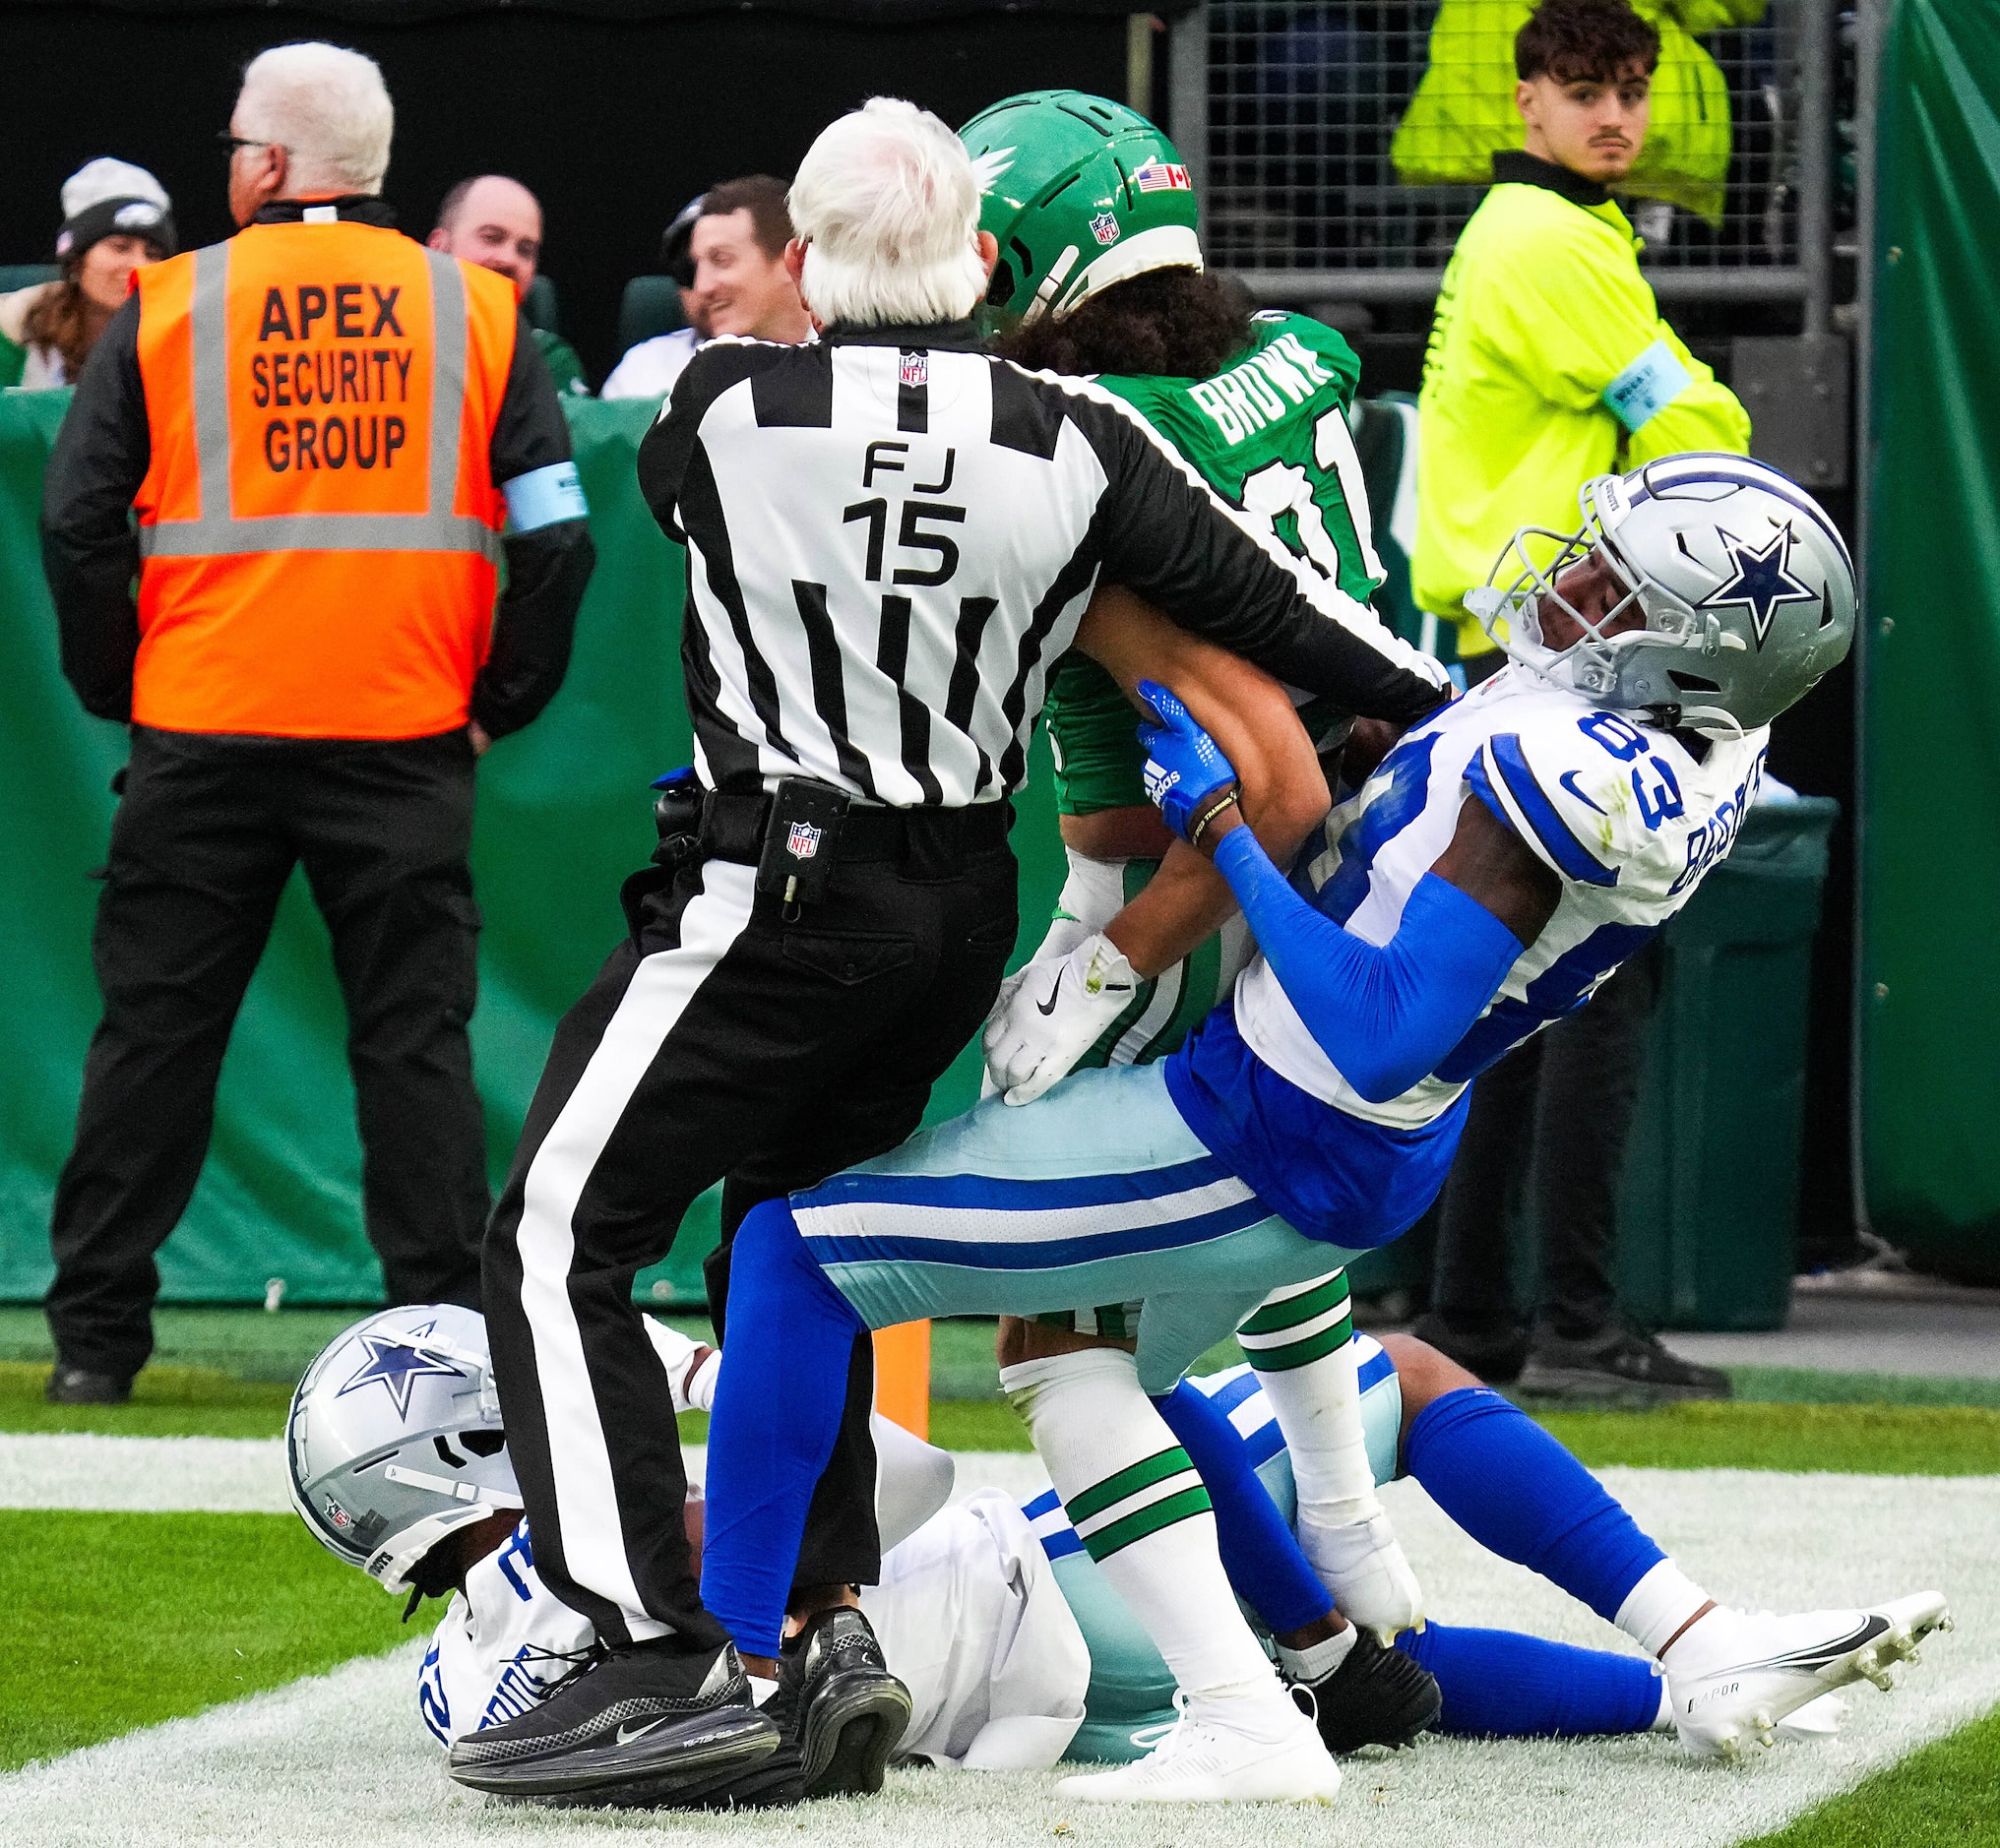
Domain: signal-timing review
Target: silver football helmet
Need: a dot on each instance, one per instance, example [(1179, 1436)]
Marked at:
[(1746, 587), (395, 1439)]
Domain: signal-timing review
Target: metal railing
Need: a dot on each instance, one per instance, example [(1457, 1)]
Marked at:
[(1286, 111)]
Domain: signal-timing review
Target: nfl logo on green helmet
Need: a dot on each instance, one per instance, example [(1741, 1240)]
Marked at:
[(1079, 193)]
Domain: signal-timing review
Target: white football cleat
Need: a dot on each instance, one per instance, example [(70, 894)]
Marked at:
[(1207, 1760), (1817, 1719), (1734, 1675)]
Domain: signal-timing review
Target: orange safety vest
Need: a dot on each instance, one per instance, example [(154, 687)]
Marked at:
[(319, 531)]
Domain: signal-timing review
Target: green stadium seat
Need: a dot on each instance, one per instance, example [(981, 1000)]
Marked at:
[(540, 307), (13, 276), (652, 306), (1385, 438)]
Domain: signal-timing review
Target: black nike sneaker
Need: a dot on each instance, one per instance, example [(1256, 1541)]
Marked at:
[(1496, 1356), (839, 1704), (652, 1724), (1619, 1365), (1375, 1697)]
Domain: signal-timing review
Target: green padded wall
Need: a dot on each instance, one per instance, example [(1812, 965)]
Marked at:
[(1930, 915)]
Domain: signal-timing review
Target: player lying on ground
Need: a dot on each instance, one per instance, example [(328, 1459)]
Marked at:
[(1510, 850), (1016, 1650)]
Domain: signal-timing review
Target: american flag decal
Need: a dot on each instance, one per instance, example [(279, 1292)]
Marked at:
[(1163, 176)]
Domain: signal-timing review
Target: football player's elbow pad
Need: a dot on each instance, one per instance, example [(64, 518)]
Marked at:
[(1383, 1014)]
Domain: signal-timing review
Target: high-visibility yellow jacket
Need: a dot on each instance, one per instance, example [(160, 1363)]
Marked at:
[(1463, 112), (1548, 364)]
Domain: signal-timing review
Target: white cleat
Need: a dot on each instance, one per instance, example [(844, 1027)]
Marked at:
[(1818, 1719), (1735, 1677), (1208, 1759)]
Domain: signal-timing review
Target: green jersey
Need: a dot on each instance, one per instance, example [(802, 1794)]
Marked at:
[(1269, 435), (565, 369)]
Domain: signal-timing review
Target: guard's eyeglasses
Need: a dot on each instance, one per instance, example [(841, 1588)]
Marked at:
[(233, 142)]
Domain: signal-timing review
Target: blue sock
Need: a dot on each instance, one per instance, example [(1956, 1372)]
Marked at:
[(779, 1399), (1520, 1493), (1503, 1684), (1264, 1566)]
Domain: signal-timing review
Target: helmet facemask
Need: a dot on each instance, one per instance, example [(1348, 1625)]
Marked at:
[(1648, 668)]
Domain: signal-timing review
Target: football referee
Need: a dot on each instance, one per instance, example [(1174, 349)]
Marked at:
[(890, 539)]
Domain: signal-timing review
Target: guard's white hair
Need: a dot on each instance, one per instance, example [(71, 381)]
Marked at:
[(887, 209), (328, 109)]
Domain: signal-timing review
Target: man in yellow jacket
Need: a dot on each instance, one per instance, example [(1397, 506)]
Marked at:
[(1549, 364)]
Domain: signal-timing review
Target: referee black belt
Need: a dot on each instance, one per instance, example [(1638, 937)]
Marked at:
[(735, 822)]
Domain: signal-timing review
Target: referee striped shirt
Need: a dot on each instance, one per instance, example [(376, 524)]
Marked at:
[(892, 537)]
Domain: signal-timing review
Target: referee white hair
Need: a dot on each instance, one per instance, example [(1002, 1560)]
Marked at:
[(328, 109), (887, 212)]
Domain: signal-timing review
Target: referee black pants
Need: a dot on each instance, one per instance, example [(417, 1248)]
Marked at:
[(205, 835), (720, 1040)]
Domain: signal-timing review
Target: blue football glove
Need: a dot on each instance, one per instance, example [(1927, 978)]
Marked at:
[(1185, 768)]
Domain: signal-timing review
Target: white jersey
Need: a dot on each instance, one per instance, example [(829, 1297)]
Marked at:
[(968, 1612), (650, 369), (1620, 810), (503, 1643)]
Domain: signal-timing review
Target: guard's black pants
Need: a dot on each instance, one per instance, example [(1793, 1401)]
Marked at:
[(205, 835), (1559, 1109), (719, 1042)]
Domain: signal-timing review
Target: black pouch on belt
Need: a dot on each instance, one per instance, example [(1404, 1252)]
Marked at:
[(677, 817), (800, 842)]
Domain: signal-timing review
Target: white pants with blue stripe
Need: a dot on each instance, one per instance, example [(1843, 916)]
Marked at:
[(1096, 1192)]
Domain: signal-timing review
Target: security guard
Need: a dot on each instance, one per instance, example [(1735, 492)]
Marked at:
[(330, 437), (1548, 365)]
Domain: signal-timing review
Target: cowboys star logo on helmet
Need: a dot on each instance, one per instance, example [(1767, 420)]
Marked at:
[(396, 1364), (1761, 583)]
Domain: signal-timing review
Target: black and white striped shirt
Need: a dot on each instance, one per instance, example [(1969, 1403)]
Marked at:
[(892, 537)]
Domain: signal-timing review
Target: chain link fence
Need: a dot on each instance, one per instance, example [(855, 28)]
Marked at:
[(1306, 121)]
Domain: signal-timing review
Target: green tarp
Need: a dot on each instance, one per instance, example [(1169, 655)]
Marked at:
[(564, 815), (1929, 999)]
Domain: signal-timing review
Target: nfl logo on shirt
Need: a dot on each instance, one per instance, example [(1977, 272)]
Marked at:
[(805, 839), (915, 369), (1104, 229)]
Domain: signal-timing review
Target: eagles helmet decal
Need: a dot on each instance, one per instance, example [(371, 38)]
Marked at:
[(1079, 193)]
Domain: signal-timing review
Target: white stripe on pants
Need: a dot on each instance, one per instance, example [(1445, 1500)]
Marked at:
[(660, 989)]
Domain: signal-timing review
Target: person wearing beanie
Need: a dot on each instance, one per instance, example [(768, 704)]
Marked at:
[(116, 216)]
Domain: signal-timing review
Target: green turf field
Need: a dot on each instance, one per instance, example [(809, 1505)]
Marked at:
[(232, 1604), (1945, 1796), (110, 1622), (1905, 1440)]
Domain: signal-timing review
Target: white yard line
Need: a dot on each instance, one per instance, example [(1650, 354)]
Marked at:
[(344, 1759), (246, 1475), (218, 1475)]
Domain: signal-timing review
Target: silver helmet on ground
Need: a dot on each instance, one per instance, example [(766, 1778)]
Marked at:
[(1745, 584), (395, 1439)]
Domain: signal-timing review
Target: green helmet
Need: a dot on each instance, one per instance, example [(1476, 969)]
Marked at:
[(1079, 193)]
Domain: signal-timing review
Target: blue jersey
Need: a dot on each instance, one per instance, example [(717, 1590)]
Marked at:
[(1629, 818)]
